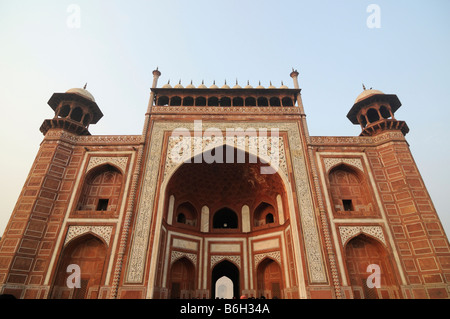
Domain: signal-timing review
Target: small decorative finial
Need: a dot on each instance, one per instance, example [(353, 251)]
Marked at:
[(225, 81), (85, 86), (364, 87), (203, 81), (248, 82), (236, 81)]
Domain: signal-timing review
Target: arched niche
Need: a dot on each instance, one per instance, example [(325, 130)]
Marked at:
[(269, 279), (186, 214), (101, 189), (349, 191), (365, 258), (88, 252), (264, 215), (182, 279)]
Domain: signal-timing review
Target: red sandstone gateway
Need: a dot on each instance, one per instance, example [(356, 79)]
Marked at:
[(335, 213)]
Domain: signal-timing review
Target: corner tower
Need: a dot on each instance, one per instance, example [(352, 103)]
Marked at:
[(374, 111), (74, 110)]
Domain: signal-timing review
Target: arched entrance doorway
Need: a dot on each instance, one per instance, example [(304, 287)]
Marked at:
[(89, 253), (362, 251), (182, 274), (270, 282), (224, 195), (222, 274)]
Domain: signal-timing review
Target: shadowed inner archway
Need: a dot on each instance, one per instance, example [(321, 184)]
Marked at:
[(227, 185)]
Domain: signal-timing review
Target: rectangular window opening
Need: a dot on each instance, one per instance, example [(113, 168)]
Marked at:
[(102, 204), (348, 205)]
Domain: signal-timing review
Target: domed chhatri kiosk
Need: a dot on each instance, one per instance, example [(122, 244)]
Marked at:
[(74, 110), (374, 111), (277, 213)]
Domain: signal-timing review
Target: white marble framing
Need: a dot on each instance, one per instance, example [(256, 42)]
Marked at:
[(310, 238)]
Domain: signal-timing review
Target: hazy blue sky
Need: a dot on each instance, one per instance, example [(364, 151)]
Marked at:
[(119, 43)]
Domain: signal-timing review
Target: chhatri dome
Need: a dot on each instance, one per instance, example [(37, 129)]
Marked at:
[(366, 93), (82, 92)]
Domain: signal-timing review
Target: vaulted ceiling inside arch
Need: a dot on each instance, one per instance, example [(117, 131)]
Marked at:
[(224, 184)]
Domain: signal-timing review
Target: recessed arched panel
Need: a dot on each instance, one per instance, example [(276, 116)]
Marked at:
[(349, 191), (101, 189), (182, 279), (364, 257), (87, 253), (269, 279), (264, 214), (186, 214)]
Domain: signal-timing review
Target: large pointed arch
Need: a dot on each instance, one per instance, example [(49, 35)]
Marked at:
[(363, 253), (173, 168), (269, 279), (89, 253), (182, 279), (101, 190)]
